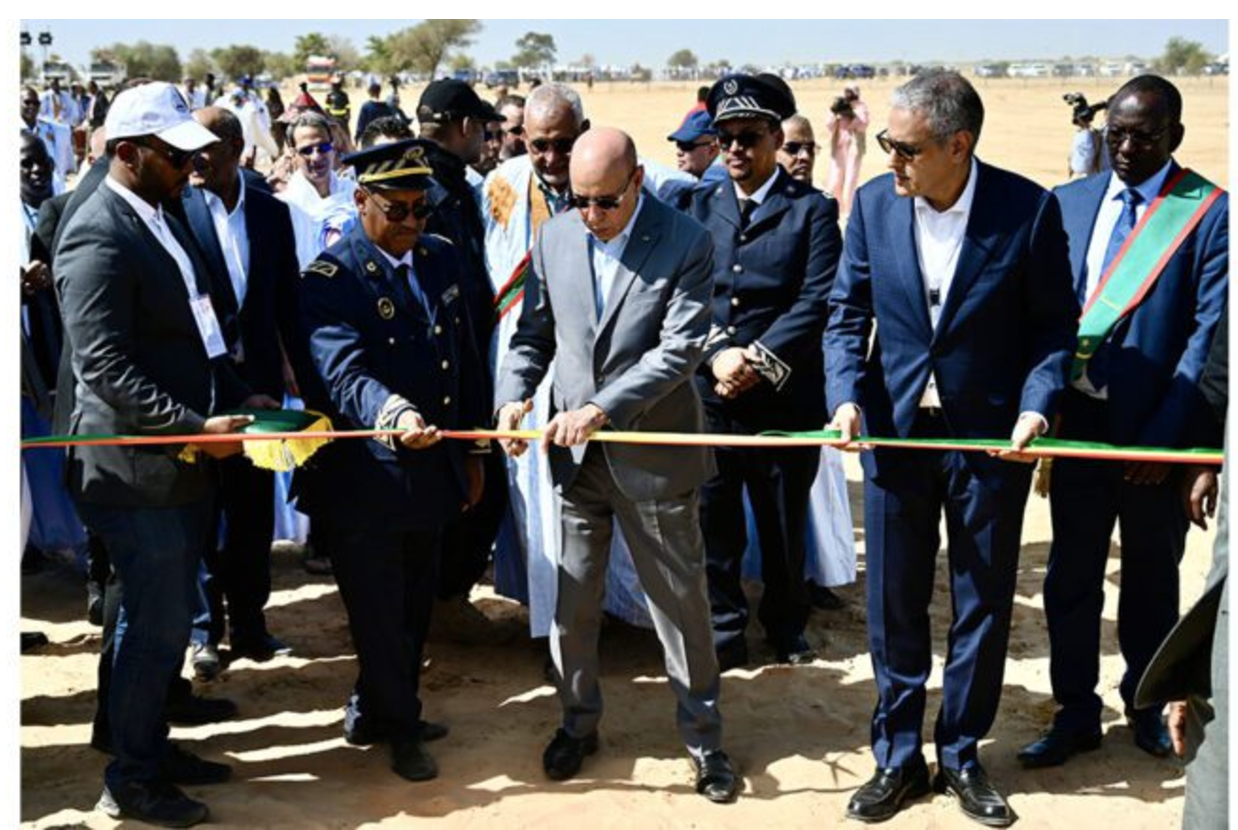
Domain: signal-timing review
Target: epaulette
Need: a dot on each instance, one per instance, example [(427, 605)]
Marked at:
[(321, 266)]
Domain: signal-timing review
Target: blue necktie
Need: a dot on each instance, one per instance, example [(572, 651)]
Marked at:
[(1098, 366)]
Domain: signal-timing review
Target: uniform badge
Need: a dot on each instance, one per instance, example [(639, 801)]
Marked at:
[(386, 308), (450, 294), (320, 266), (730, 87), (371, 267)]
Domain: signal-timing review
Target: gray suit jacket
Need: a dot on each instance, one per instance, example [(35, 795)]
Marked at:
[(138, 362), (635, 363)]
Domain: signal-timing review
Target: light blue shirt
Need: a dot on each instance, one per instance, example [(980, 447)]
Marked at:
[(605, 258)]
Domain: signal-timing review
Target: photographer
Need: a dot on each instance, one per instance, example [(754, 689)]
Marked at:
[(1087, 150), (846, 125)]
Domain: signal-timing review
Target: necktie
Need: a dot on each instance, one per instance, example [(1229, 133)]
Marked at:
[(1098, 365), (408, 289), (746, 208)]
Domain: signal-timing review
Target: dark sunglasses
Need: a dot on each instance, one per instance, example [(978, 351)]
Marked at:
[(688, 146), (491, 135), (563, 146), (399, 211), (1118, 136), (746, 140), (603, 202), (905, 151), (323, 148), (794, 148), (176, 157)]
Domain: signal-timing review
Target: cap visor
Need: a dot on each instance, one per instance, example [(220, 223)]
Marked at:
[(188, 135)]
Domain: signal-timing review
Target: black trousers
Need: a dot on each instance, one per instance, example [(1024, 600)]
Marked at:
[(468, 541)]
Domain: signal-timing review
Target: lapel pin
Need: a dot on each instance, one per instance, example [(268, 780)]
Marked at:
[(386, 308)]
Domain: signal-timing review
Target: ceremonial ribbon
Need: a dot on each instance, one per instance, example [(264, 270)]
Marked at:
[(1039, 448)]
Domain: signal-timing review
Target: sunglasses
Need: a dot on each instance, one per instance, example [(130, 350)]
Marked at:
[(905, 151), (562, 146), (794, 148), (399, 211), (603, 202), (1118, 136), (688, 146), (491, 135), (746, 140), (323, 149), (176, 157)]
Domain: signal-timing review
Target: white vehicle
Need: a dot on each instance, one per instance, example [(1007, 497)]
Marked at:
[(1111, 69), (1030, 70)]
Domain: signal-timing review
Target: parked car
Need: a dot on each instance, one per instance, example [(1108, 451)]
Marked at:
[(989, 70), (502, 77)]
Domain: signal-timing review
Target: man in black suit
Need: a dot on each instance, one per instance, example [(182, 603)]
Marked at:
[(145, 346), (246, 239)]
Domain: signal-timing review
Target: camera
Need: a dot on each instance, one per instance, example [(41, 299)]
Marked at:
[(842, 108), (1081, 110)]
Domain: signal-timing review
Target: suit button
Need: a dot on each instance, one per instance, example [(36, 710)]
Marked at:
[(743, 237), (737, 268), (446, 365), (390, 341), (730, 329), (438, 329), (735, 302), (447, 400)]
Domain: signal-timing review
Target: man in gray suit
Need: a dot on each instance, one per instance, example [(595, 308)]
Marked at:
[(618, 296)]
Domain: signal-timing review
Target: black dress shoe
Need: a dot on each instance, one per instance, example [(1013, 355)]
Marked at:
[(716, 778), (882, 796), (359, 733), (179, 766), (978, 799), (195, 711), (32, 640), (795, 651), (260, 649), (1057, 746), (564, 755), (734, 656), (1151, 735), (155, 802), (412, 761), (823, 598)]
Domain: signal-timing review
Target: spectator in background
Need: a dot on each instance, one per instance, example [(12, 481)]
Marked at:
[(798, 153), (56, 136), (58, 105), (846, 126), (1086, 149), (372, 109), (195, 96), (511, 107)]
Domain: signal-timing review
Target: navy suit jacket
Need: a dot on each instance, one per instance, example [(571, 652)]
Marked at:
[(772, 284), (1006, 335), (270, 307), (1158, 351)]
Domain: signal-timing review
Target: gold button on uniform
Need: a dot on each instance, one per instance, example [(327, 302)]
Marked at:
[(446, 365), (438, 329), (735, 301), (447, 401)]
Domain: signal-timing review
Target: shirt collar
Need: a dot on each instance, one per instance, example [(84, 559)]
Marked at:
[(962, 204), (1148, 190), (759, 196), (213, 200), (407, 259), (144, 209), (621, 239)]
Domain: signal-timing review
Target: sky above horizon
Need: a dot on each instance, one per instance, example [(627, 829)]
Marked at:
[(650, 42)]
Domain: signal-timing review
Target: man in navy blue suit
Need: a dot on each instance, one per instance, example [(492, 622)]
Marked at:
[(1135, 381), (963, 270), (246, 238)]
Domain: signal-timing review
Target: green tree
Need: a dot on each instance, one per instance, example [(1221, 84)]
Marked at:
[(345, 53), (280, 65), (314, 43), (156, 61), (199, 64), (423, 48), (460, 61), (1183, 56), (27, 66), (534, 49), (239, 60), (683, 59), (378, 57)]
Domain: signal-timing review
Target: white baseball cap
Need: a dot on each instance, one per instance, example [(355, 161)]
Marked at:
[(158, 109)]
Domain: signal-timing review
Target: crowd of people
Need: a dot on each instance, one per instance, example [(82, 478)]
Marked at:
[(509, 264)]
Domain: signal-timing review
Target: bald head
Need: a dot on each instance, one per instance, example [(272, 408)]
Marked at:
[(222, 123), (607, 179)]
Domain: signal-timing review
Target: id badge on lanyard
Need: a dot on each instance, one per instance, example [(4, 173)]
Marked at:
[(208, 325)]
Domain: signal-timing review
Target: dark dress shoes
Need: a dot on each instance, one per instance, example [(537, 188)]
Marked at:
[(823, 598), (882, 796), (32, 641), (978, 799), (794, 651), (565, 754), (1151, 734), (192, 710), (154, 802), (1057, 746), (412, 761), (260, 649), (179, 766), (359, 733), (715, 777)]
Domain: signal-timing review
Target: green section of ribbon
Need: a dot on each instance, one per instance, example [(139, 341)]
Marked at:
[(1047, 446)]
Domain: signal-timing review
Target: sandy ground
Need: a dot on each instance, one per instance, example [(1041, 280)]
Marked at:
[(799, 735)]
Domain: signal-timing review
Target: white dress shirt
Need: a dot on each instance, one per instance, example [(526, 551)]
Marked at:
[(761, 192), (605, 258), (233, 239), (153, 217), (939, 239)]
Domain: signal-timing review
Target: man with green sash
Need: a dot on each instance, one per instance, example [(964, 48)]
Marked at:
[(1149, 252)]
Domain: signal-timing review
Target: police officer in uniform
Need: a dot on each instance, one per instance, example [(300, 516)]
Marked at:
[(390, 336), (777, 246), (339, 106)]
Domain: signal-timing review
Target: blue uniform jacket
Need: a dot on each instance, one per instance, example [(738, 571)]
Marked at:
[(1159, 350), (378, 352), (772, 284), (1006, 335)]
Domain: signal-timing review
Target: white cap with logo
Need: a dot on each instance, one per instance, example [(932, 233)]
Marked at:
[(157, 109)]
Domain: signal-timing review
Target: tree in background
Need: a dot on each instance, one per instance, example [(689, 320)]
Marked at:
[(199, 64), (237, 61), (314, 43), (460, 62), (421, 48), (157, 61), (1183, 56), (27, 67), (280, 65), (534, 49), (347, 58), (683, 59)]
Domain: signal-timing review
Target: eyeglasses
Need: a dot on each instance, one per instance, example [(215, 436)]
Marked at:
[(1118, 136), (562, 146), (604, 202), (399, 211), (905, 151), (688, 146), (323, 149), (746, 139), (176, 157), (794, 148)]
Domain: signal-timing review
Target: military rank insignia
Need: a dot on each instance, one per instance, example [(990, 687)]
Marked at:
[(386, 308)]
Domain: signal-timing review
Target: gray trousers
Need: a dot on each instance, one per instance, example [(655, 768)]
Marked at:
[(668, 552)]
